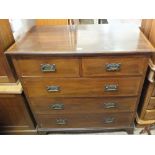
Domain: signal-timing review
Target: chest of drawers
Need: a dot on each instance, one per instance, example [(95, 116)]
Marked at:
[(85, 78)]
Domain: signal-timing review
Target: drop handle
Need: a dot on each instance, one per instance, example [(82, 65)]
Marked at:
[(61, 121), (109, 120), (48, 67), (111, 67), (110, 105), (53, 88), (57, 106), (110, 87)]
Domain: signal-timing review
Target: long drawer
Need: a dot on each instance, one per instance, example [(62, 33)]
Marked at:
[(48, 67), (85, 120), (82, 105), (81, 87), (113, 66)]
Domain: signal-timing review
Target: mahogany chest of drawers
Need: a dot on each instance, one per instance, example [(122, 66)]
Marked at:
[(82, 78)]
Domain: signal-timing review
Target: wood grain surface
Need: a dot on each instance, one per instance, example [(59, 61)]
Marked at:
[(42, 105), (85, 120), (82, 39), (81, 87)]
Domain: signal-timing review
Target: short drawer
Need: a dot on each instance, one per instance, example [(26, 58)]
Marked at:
[(85, 120), (48, 67), (151, 104), (82, 105), (113, 66), (81, 87), (149, 115)]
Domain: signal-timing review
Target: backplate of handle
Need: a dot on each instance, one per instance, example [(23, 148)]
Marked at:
[(110, 87), (110, 105), (109, 120), (61, 121), (48, 67), (53, 88), (111, 67), (57, 106)]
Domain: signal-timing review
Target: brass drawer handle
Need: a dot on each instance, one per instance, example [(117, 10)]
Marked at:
[(109, 120), (48, 67), (57, 106), (61, 121), (53, 88), (113, 67), (111, 87), (110, 105)]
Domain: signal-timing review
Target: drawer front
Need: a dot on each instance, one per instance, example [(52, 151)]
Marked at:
[(82, 105), (151, 104), (113, 66), (149, 115), (84, 120), (81, 87), (48, 67)]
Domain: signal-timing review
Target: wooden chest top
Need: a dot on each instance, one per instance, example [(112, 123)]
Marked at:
[(83, 39)]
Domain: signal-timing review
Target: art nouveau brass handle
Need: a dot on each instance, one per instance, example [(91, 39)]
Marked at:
[(61, 121), (48, 67), (110, 87), (57, 106), (53, 88), (151, 76), (110, 105), (113, 67), (109, 120)]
